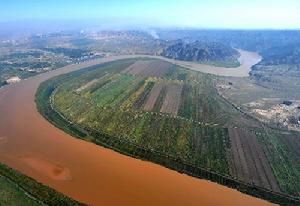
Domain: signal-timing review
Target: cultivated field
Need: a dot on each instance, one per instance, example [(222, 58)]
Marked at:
[(172, 100), (154, 95), (155, 68), (176, 113), (249, 162), (11, 195)]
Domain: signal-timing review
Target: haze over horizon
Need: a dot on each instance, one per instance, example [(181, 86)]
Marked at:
[(231, 14)]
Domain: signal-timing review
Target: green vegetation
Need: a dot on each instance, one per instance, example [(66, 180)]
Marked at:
[(283, 159), (72, 53), (10, 195), (231, 63), (113, 92), (105, 104), (18, 189), (82, 42)]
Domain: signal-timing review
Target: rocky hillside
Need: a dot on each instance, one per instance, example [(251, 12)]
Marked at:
[(279, 69), (280, 55), (199, 51)]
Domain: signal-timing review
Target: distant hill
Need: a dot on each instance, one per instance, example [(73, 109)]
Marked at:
[(251, 40), (199, 51), (285, 54), (279, 69)]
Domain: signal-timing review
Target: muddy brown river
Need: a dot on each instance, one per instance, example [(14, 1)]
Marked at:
[(90, 173)]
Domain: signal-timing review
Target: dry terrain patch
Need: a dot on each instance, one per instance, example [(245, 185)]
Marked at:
[(172, 100), (155, 68), (154, 94), (249, 162)]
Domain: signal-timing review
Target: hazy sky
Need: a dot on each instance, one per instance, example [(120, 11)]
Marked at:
[(189, 13)]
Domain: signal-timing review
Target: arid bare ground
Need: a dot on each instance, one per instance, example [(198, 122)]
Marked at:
[(249, 162)]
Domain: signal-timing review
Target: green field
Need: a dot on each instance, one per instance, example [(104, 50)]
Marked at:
[(171, 116), (232, 63), (11, 195)]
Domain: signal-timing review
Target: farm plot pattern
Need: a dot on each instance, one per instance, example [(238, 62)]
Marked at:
[(155, 68), (176, 112), (155, 93), (172, 99), (249, 160)]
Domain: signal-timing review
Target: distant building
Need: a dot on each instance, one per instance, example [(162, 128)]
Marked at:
[(13, 80)]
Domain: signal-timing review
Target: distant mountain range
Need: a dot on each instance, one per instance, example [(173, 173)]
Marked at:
[(199, 51)]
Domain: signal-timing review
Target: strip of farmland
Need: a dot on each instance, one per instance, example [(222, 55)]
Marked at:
[(249, 162), (143, 96), (172, 100), (90, 83), (155, 68), (153, 96)]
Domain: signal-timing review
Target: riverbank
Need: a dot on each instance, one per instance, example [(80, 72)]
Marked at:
[(44, 98), (98, 176), (16, 187)]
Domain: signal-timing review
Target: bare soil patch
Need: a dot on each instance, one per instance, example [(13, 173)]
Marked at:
[(154, 96), (172, 101), (249, 162), (155, 68)]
